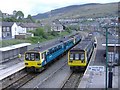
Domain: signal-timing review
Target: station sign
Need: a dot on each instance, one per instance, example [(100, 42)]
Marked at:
[(96, 68)]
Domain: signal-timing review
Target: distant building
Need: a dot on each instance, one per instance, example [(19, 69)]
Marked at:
[(113, 50), (29, 26), (57, 26), (6, 15)]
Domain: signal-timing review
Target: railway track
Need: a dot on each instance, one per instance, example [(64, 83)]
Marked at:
[(51, 75), (17, 84), (73, 80)]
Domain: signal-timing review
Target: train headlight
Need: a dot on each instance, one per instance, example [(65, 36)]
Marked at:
[(83, 61), (39, 64), (71, 60), (26, 63)]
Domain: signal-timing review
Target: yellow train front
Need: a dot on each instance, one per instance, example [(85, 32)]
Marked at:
[(32, 60), (79, 56)]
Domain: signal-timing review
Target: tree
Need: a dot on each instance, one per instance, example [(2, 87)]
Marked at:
[(19, 15), (68, 29), (11, 19), (38, 21), (40, 32), (30, 19)]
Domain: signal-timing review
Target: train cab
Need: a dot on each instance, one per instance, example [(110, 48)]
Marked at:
[(32, 59), (77, 59)]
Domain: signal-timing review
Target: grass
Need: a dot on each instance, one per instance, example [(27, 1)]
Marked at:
[(5, 43), (32, 40)]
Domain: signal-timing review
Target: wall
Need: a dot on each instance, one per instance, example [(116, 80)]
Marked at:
[(14, 30)]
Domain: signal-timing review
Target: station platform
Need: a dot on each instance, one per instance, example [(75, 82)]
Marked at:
[(93, 79), (6, 70), (96, 78)]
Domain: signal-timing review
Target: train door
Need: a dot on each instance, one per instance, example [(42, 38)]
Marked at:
[(44, 59)]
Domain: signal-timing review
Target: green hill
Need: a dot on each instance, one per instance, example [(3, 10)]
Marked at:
[(91, 10)]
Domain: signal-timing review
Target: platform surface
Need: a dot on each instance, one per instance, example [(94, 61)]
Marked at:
[(97, 79)]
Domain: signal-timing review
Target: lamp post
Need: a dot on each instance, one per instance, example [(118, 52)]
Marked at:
[(106, 56), (110, 74)]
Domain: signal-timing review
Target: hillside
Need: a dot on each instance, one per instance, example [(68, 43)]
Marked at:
[(86, 10)]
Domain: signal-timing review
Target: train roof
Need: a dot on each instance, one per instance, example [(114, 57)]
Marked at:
[(83, 44), (53, 44), (14, 46)]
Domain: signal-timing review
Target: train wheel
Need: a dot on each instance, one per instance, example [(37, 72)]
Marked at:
[(71, 68)]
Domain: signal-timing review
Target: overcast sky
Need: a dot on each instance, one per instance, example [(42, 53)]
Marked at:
[(34, 7)]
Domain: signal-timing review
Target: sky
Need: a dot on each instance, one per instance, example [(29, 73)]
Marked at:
[(34, 7)]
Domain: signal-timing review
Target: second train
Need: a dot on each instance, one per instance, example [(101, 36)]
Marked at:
[(79, 56)]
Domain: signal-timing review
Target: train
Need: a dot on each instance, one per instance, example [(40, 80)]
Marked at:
[(79, 56), (40, 57)]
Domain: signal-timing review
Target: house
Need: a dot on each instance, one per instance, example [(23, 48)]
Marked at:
[(24, 28), (57, 26), (9, 30), (28, 26), (12, 29)]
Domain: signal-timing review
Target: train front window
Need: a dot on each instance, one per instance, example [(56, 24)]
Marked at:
[(37, 56), (82, 56), (32, 56), (77, 56), (71, 56)]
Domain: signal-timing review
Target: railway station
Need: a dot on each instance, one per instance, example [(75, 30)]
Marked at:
[(67, 44), (93, 77)]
